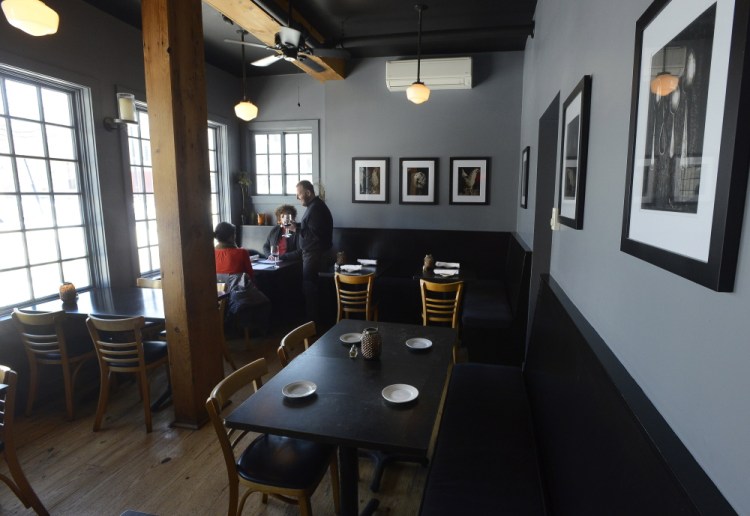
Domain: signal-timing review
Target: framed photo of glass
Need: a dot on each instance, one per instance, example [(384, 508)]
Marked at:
[(470, 181), (370, 180), (418, 181), (573, 155), (688, 151), (524, 202)]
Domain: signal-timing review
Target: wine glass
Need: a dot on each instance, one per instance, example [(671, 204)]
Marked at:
[(286, 221), (275, 254)]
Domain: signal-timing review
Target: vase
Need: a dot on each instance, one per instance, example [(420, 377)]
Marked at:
[(68, 293), (372, 343)]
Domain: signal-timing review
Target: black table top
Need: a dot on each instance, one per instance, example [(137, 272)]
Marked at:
[(348, 408), (463, 275), (111, 302), (281, 266)]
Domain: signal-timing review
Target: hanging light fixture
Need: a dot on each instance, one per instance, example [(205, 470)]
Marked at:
[(418, 92), (31, 16), (664, 83), (245, 110)]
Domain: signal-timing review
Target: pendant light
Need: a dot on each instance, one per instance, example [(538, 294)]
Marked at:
[(31, 16), (245, 110), (664, 83), (418, 92)]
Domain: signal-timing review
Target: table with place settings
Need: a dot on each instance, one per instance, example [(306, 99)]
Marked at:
[(348, 406)]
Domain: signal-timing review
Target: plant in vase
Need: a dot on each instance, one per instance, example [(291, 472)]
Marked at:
[(244, 182)]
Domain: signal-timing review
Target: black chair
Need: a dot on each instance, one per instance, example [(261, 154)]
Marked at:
[(286, 468)]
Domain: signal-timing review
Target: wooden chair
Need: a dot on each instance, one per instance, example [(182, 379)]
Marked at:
[(153, 329), (18, 482), (44, 340), (441, 302), (286, 468), (147, 283), (302, 336), (354, 296), (120, 348)]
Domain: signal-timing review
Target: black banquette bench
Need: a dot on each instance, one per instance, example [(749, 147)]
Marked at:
[(570, 434), (496, 299)]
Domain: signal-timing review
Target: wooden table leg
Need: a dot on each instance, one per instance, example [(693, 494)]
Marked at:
[(348, 480)]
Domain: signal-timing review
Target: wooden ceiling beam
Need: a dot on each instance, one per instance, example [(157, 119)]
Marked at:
[(261, 25)]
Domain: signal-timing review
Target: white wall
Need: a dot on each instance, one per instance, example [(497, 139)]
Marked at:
[(686, 346)]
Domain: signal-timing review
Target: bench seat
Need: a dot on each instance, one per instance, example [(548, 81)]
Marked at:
[(485, 458)]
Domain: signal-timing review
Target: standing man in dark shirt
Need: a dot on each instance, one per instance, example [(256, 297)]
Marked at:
[(314, 243)]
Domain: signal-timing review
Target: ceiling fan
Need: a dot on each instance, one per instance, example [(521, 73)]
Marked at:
[(289, 45)]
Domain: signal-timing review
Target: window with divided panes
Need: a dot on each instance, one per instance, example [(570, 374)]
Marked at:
[(44, 231)]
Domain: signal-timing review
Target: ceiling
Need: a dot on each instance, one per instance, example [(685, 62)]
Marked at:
[(364, 28)]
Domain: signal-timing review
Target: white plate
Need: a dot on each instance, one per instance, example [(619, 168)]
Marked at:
[(350, 338), (299, 389), (400, 393), (419, 343)]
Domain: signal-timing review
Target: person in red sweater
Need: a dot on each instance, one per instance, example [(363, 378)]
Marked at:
[(248, 307)]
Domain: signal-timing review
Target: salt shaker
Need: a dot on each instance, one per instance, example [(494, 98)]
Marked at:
[(353, 351)]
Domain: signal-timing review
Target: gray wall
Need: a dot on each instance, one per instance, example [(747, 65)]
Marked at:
[(94, 50), (361, 118), (685, 345)]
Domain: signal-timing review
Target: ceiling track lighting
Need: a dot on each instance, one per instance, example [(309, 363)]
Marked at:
[(418, 92), (31, 16), (245, 110)]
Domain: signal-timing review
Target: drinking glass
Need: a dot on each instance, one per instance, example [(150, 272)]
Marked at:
[(275, 254), (286, 221)]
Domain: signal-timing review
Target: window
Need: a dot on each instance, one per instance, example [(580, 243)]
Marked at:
[(141, 176), (44, 235), (284, 153), (142, 180)]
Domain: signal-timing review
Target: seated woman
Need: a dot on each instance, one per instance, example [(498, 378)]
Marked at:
[(275, 237), (248, 307)]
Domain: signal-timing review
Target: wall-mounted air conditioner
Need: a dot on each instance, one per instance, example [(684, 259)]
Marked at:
[(451, 73)]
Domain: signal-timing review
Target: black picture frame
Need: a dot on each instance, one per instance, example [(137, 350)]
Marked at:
[(418, 181), (470, 181), (524, 196), (370, 180), (686, 186), (571, 196)]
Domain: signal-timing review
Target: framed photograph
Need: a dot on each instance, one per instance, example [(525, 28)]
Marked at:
[(573, 153), (418, 181), (688, 152), (470, 181), (525, 177), (370, 180)]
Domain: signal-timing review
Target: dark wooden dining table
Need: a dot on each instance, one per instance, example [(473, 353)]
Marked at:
[(347, 408), (111, 302)]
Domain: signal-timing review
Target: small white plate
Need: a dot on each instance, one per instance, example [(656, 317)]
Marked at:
[(419, 343), (299, 389), (400, 393), (350, 338)]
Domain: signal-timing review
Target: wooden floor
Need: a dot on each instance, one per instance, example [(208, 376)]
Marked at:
[(168, 472)]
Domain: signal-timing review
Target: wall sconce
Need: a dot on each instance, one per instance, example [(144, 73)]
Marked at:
[(31, 16), (125, 112)]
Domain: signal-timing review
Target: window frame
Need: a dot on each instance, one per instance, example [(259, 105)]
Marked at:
[(92, 213), (223, 187), (275, 127)]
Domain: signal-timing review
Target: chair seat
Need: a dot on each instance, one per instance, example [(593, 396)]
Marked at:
[(284, 461)]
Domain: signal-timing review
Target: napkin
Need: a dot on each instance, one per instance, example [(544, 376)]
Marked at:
[(365, 261), (450, 265), (254, 257), (351, 268), (446, 272)]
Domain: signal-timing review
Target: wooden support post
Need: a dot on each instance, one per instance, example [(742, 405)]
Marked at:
[(176, 95)]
